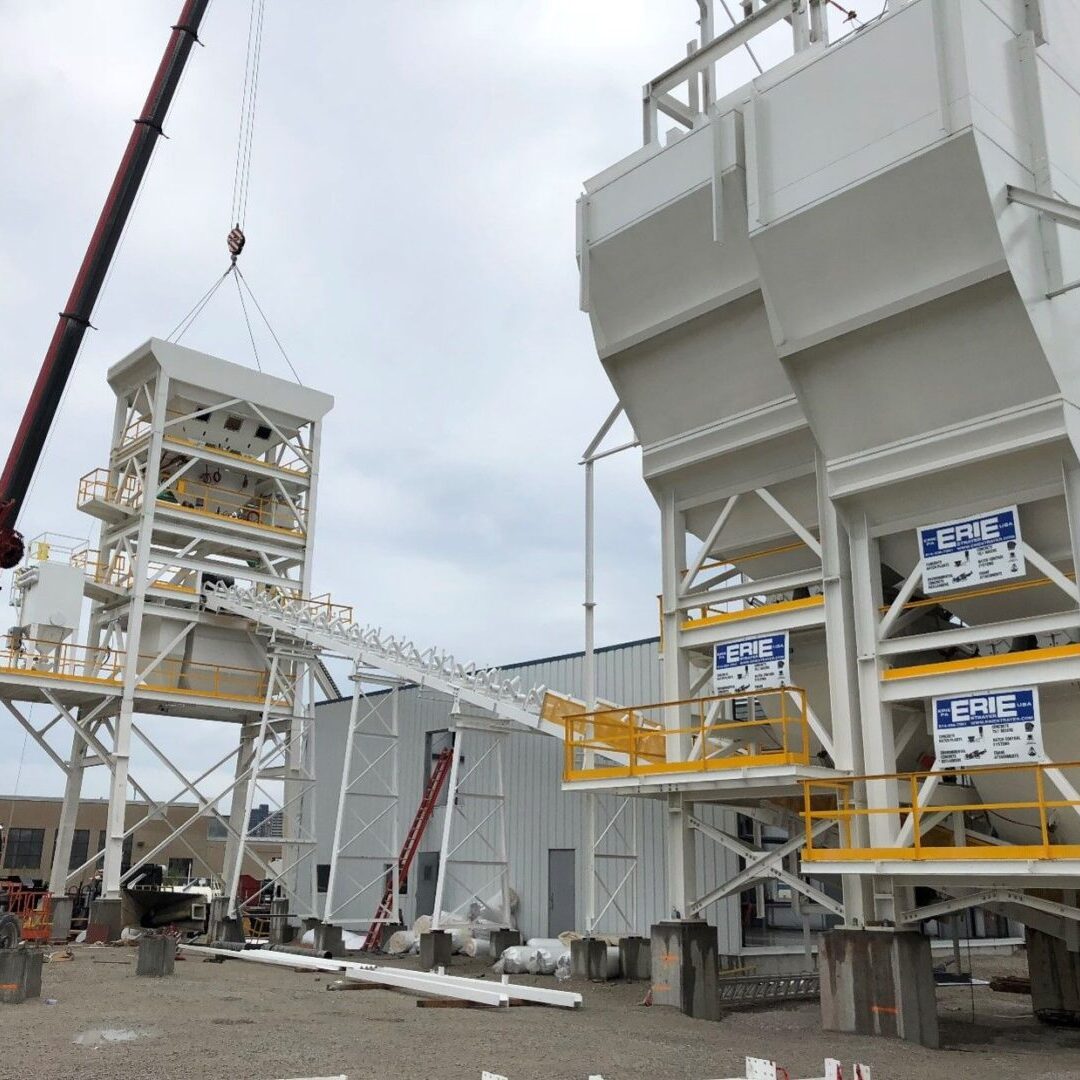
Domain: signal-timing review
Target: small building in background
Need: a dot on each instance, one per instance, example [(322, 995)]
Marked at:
[(28, 826)]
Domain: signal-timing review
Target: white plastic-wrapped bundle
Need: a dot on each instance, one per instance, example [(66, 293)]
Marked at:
[(518, 960), (402, 942), (459, 936), (476, 947), (545, 962), (550, 943)]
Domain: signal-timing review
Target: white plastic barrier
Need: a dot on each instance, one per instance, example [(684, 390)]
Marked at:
[(763, 1069)]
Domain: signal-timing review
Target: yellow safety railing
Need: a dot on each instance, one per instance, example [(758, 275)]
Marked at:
[(90, 664), (929, 832), (327, 607), (97, 485), (710, 614), (116, 572), (294, 466), (262, 511), (140, 427), (85, 663), (617, 742), (944, 599), (210, 680)]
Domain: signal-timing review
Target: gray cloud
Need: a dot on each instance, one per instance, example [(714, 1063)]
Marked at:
[(411, 234)]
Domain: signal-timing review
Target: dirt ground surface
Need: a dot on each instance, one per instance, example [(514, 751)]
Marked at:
[(244, 1021)]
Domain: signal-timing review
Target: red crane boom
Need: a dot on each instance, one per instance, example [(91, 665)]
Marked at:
[(56, 368)]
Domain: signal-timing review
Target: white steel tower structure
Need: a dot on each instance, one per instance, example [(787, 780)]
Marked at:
[(211, 477), (846, 296), (750, 546)]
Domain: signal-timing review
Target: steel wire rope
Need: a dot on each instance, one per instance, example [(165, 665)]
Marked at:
[(185, 324), (266, 321), (248, 105), (247, 321)]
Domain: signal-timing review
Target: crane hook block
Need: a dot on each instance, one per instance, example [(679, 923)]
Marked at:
[(236, 241)]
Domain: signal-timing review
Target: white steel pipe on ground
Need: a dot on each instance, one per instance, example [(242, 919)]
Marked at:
[(420, 982)]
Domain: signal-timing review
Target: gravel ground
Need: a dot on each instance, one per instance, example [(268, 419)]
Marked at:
[(247, 1022)]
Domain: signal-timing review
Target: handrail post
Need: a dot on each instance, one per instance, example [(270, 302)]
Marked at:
[(808, 821), (784, 725), (916, 831), (648, 119), (1044, 826)]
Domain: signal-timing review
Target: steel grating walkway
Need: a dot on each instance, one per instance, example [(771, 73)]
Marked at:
[(755, 989)]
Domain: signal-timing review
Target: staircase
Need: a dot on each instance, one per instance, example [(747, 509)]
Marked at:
[(384, 913)]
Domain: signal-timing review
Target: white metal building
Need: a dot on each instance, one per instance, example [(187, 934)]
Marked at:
[(546, 827)]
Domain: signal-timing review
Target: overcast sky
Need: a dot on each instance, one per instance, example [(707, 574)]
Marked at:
[(411, 236)]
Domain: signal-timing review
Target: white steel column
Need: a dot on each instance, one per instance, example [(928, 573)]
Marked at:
[(841, 654), (594, 802), (474, 864), (258, 761), (675, 675), (114, 836), (239, 805), (879, 738), (366, 840), (69, 811), (298, 781), (612, 887)]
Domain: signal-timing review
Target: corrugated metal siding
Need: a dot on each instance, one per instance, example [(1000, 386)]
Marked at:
[(540, 815)]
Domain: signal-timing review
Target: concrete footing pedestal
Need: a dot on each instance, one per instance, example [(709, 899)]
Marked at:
[(157, 957), (62, 908), (1055, 979), (386, 932), (219, 926), (588, 959), (684, 972), (20, 975), (501, 940), (635, 958), (328, 940), (878, 982), (435, 949), (281, 933), (106, 921)]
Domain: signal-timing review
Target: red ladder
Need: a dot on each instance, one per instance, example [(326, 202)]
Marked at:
[(385, 910)]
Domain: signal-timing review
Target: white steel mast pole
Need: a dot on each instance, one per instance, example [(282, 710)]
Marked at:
[(447, 825), (589, 459)]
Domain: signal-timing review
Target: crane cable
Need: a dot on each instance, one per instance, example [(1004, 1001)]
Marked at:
[(246, 135), (236, 239)]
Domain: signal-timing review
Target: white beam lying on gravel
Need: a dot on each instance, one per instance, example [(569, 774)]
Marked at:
[(478, 991), (539, 995)]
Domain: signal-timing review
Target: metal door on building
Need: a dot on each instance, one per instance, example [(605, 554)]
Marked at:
[(427, 875), (562, 895)]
